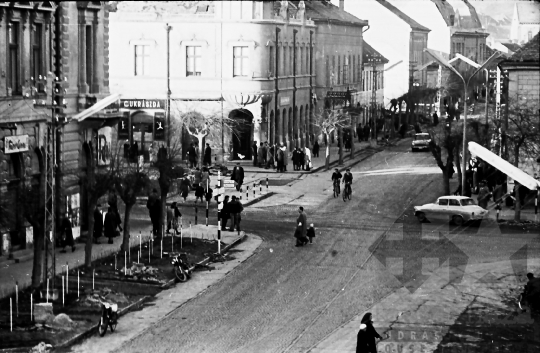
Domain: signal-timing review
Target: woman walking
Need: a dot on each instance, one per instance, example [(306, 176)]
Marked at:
[(370, 336)]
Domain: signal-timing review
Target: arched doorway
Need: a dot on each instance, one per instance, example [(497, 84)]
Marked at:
[(242, 132), (142, 130), (283, 131)]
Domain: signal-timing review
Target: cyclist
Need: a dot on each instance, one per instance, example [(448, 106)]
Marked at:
[(336, 177), (347, 180)]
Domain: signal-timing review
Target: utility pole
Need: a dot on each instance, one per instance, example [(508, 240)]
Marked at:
[(168, 29), (276, 88)]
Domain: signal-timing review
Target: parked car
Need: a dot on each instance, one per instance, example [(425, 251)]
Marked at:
[(459, 208), (420, 142)]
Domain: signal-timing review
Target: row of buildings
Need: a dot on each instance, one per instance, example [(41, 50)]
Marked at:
[(271, 65)]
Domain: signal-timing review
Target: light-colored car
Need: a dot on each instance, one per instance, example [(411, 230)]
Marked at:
[(459, 208), (420, 141)]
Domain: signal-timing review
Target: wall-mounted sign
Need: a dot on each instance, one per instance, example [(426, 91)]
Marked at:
[(14, 144), (142, 103), (284, 101), (104, 145), (123, 127), (159, 126)]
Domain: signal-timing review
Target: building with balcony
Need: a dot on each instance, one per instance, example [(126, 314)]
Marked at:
[(265, 64), (69, 40)]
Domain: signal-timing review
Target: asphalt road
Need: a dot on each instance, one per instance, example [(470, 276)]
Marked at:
[(287, 298)]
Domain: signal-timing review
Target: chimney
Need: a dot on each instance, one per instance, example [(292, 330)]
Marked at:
[(342, 5)]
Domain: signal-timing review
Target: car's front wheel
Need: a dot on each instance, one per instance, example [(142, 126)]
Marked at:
[(421, 216), (458, 220)]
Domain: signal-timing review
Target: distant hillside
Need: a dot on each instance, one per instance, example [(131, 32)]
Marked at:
[(498, 27)]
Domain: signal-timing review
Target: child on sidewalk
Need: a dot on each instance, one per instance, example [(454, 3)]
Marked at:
[(311, 233)]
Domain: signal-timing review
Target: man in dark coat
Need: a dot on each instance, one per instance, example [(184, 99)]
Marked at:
[(207, 155), (301, 224), (98, 224), (192, 156), (254, 152), (367, 130), (360, 132), (235, 209), (111, 222), (151, 205), (238, 176), (315, 149), (68, 234), (361, 339), (225, 213), (296, 159), (261, 154), (371, 335)]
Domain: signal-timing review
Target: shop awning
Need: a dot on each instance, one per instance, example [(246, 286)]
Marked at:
[(96, 108), (513, 172)]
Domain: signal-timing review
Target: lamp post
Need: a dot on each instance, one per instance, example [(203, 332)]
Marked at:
[(168, 29), (442, 61)]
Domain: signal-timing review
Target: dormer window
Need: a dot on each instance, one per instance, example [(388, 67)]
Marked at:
[(451, 20)]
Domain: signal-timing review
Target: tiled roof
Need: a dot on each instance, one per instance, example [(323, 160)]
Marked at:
[(529, 52), (528, 12), (412, 23), (369, 51), (322, 10)]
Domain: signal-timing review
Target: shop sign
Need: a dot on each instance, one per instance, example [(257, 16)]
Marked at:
[(159, 126), (284, 101), (14, 144), (142, 103)]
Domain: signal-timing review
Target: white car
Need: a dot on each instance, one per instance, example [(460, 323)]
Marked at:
[(420, 142), (459, 208)]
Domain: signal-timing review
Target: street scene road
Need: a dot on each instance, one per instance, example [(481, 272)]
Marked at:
[(428, 285)]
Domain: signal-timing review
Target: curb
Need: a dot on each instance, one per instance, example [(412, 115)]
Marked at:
[(335, 162), (258, 199), (206, 260), (93, 329)]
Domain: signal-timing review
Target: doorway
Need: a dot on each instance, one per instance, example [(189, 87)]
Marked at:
[(241, 136)]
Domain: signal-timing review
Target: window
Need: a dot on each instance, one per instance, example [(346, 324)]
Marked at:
[(285, 66), (142, 58), (467, 202), (300, 61), (454, 202), (291, 61), (529, 35), (307, 59), (271, 62), (37, 49), (338, 70), (14, 65), (194, 61), (443, 202), (89, 56), (354, 69), (240, 61), (327, 71)]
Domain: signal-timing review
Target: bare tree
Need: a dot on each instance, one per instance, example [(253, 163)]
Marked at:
[(327, 121)]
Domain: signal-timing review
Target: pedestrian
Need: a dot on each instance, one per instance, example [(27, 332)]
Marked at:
[(192, 156), (170, 216), (207, 155), (307, 158), (296, 159), (98, 224), (371, 334), (150, 205), (112, 199), (362, 340), (265, 153), (360, 132), (285, 158), (316, 149), (111, 222), (279, 158), (311, 233), (185, 185), (208, 194), (347, 143), (199, 193), (260, 156), (225, 213), (254, 152), (238, 176), (270, 161), (235, 209), (367, 130), (302, 159), (483, 195), (498, 194), (197, 176), (205, 179), (301, 222), (68, 234), (176, 214)]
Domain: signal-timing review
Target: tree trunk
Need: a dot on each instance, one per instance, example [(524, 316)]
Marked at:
[(446, 181), (458, 165), (200, 137), (38, 253), (341, 143), (92, 202), (517, 204), (127, 228), (327, 156)]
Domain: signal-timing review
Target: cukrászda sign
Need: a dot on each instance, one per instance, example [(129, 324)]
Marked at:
[(142, 104), (15, 144)]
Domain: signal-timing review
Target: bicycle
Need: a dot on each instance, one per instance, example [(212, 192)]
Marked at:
[(336, 188), (347, 192)]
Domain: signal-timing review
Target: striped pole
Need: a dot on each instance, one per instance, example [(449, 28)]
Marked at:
[(67, 277), (241, 194), (207, 213), (196, 211), (17, 297), (260, 187), (254, 190), (267, 184), (247, 192)]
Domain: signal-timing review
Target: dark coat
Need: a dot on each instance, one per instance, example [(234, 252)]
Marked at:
[(254, 149), (68, 232), (199, 192), (370, 337), (302, 218), (237, 174), (98, 223), (111, 222), (208, 155), (362, 342), (316, 148), (225, 214), (235, 206), (311, 232), (192, 154)]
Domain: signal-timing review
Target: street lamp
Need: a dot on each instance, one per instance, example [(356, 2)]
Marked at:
[(443, 62)]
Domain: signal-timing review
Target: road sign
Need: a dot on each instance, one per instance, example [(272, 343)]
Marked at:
[(228, 183)]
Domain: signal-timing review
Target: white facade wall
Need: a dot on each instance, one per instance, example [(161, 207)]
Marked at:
[(389, 36)]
